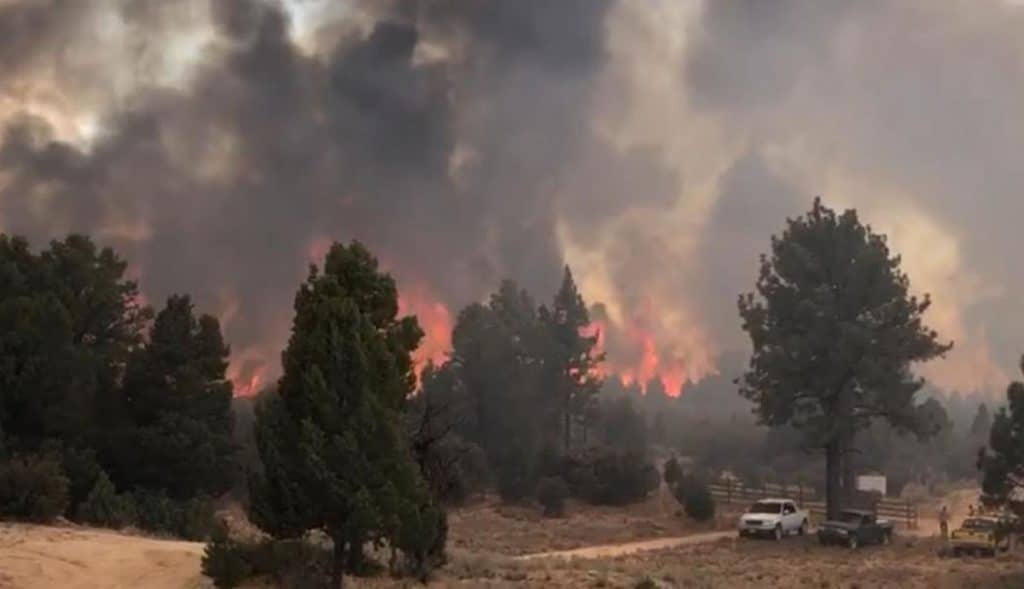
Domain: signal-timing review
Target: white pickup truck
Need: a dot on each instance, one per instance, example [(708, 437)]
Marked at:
[(775, 518)]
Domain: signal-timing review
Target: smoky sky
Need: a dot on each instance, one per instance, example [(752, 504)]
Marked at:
[(654, 146)]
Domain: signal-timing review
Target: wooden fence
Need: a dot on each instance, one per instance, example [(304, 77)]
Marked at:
[(732, 493)]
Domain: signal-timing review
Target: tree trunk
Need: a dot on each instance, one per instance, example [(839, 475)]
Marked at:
[(338, 565), (568, 429), (832, 480), (849, 469), (355, 555)]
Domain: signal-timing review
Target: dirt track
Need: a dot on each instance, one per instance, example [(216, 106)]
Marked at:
[(38, 557), (613, 550)]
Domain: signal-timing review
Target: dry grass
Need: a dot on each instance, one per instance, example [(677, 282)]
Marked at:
[(742, 565), (488, 526)]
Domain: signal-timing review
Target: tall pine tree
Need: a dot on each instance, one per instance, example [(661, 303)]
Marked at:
[(573, 360), (834, 331), (334, 453), (178, 404)]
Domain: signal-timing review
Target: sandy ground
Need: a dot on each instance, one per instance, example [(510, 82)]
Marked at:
[(38, 557)]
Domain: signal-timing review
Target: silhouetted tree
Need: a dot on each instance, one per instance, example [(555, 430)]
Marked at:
[(982, 422), (1002, 463), (572, 360), (834, 331)]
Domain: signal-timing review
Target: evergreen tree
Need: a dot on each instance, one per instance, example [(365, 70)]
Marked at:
[(982, 422), (573, 359), (834, 331), (333, 449), (68, 321), (1002, 463), (496, 355), (178, 401)]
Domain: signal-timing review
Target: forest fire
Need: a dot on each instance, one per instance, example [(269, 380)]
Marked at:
[(248, 376), (635, 357), (434, 319)]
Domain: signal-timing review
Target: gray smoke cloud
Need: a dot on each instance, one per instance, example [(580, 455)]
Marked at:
[(219, 144)]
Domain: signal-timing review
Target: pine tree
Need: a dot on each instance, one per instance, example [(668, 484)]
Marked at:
[(573, 361), (333, 449), (68, 321), (834, 331), (1002, 463), (178, 401), (982, 422)]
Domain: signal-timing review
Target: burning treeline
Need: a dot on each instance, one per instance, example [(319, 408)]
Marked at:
[(250, 133)]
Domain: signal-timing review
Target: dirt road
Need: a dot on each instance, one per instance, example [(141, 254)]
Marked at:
[(613, 550), (39, 557)]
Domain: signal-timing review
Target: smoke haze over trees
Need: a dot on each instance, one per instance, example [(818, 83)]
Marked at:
[(220, 144)]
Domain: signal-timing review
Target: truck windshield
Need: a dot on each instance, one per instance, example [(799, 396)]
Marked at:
[(981, 525), (765, 507), (850, 517)]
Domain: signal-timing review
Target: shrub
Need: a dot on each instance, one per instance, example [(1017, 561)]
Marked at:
[(83, 471), (290, 562), (646, 583), (552, 493), (698, 503), (515, 477), (105, 507), (609, 477), (33, 488), (456, 469), (422, 540), (227, 562), (673, 472), (190, 520)]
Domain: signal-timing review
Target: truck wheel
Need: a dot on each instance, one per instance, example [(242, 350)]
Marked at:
[(853, 542), (803, 528), (777, 533)]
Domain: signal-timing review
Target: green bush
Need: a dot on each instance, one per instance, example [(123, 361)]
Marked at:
[(514, 474), (673, 472), (82, 469), (616, 478), (190, 520), (105, 507), (293, 563), (698, 503), (33, 488), (226, 562), (456, 469), (552, 493)]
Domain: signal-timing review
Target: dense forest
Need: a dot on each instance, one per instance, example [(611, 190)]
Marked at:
[(116, 414)]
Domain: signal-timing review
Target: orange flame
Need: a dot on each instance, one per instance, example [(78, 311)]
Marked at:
[(434, 319), (651, 364)]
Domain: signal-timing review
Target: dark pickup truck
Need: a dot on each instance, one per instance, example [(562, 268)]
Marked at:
[(855, 528)]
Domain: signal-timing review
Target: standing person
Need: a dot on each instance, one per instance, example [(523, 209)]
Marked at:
[(944, 524)]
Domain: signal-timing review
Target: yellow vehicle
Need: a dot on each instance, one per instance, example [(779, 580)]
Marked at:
[(979, 535)]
